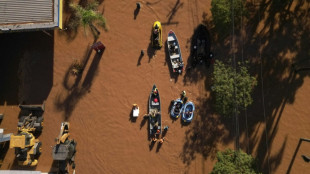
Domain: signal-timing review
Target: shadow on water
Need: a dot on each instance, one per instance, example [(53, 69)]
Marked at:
[(170, 106), (295, 153), (287, 27), (26, 69), (158, 146), (206, 130), (278, 31), (194, 69), (68, 75), (139, 60), (4, 147), (173, 11), (183, 123), (67, 100), (151, 52), (152, 144), (54, 167), (152, 3), (135, 13), (144, 120)]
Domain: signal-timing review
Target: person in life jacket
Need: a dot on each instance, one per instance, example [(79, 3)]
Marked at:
[(157, 131), (155, 92), (183, 97), (172, 47), (156, 31), (183, 94), (161, 141)]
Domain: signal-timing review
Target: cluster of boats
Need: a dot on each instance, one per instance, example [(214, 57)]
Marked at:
[(179, 108), (200, 47), (174, 49), (183, 109)]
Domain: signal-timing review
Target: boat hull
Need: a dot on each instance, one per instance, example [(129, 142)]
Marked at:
[(188, 112), (174, 52), (157, 41), (175, 110), (154, 112)]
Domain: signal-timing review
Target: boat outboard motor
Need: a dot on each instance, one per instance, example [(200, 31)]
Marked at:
[(181, 65)]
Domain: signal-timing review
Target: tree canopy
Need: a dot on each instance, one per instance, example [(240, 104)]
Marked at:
[(222, 13), (234, 162), (232, 87), (87, 16)]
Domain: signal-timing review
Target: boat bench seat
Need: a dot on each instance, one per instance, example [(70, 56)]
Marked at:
[(153, 103), (175, 65), (174, 56)]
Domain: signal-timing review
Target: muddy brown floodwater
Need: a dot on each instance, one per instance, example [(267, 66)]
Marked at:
[(98, 103)]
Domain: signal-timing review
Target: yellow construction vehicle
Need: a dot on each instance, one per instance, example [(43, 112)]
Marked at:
[(31, 118), (27, 148), (65, 149)]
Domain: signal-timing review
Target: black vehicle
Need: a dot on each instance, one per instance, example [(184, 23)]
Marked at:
[(201, 46)]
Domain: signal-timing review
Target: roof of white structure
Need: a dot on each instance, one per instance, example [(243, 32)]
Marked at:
[(19, 172), (25, 14)]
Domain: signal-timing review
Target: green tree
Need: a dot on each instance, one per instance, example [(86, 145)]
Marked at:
[(87, 17), (222, 13), (232, 87), (234, 162)]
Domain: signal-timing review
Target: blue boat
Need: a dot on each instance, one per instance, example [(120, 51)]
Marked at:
[(154, 112), (174, 51), (188, 112), (177, 108)]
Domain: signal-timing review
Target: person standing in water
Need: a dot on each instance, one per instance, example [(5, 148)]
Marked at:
[(161, 141)]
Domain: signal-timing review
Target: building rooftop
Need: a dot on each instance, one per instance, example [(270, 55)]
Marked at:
[(34, 14), (19, 172)]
